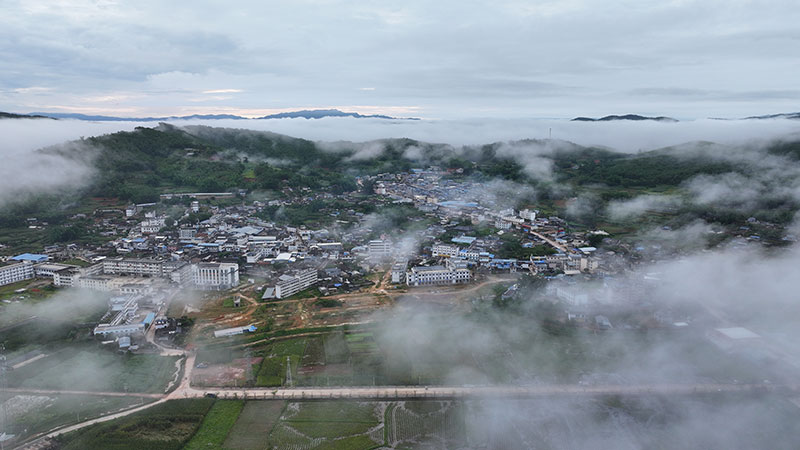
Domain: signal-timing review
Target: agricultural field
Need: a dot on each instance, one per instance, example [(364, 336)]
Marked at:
[(27, 415), (348, 425), (272, 371), (328, 425), (436, 424), (254, 424), (167, 426), (216, 425), (87, 368)]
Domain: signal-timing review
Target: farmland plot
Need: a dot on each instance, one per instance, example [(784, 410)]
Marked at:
[(329, 425)]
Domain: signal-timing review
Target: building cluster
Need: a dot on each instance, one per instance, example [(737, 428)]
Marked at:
[(453, 200), (213, 247)]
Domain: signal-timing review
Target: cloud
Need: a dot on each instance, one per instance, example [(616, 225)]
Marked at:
[(222, 91), (507, 58), (619, 210)]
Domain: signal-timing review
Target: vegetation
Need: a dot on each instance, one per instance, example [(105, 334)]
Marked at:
[(216, 425), (83, 368), (167, 426), (29, 414)]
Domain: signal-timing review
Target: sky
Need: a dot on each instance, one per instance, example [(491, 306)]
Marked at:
[(436, 60)]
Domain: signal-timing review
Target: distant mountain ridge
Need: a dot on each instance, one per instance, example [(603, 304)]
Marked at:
[(303, 114), (794, 115), (5, 115), (624, 117)]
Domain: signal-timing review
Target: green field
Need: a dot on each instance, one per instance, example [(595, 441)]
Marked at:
[(328, 425), (254, 425), (216, 425), (87, 368), (272, 371), (30, 414), (167, 426)]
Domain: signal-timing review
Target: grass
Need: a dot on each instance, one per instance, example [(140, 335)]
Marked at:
[(86, 368), (254, 425), (216, 425), (60, 410), (167, 426), (77, 262), (311, 292), (273, 368), (328, 425)]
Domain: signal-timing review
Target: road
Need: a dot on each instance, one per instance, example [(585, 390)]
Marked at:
[(482, 392), (390, 393), (552, 242)]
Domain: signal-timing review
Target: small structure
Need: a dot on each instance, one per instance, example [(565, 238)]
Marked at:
[(235, 331)]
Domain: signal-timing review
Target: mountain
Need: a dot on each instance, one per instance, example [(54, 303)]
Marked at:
[(320, 113), (794, 115), (625, 117), (77, 116), (304, 114), (5, 115)]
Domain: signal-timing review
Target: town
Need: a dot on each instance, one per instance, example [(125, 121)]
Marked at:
[(148, 261)]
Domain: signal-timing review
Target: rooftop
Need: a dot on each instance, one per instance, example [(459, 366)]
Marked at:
[(737, 333)]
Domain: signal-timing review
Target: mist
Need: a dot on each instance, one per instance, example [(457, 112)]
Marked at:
[(627, 136)]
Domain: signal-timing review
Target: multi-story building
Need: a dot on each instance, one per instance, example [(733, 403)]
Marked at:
[(130, 266), (66, 277), (432, 275), (289, 285), (448, 251), (97, 282), (152, 226), (399, 272), (379, 249), (13, 273), (48, 270), (215, 276), (187, 234)]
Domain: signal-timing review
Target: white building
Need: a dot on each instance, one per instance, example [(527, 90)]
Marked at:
[(152, 226), (292, 284), (379, 249), (215, 276), (106, 330), (235, 331), (187, 234), (97, 283), (527, 214), (66, 277), (130, 266), (399, 272), (432, 275), (48, 270), (448, 251), (13, 273)]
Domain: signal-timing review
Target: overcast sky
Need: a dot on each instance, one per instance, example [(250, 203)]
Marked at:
[(443, 59)]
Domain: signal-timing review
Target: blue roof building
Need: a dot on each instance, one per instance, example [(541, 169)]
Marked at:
[(32, 257)]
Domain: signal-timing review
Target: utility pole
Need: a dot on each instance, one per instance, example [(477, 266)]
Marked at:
[(3, 412), (288, 371)]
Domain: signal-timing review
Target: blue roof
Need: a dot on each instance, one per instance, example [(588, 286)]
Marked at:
[(31, 257), (149, 318)]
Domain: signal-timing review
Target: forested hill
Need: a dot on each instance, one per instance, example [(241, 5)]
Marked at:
[(139, 165)]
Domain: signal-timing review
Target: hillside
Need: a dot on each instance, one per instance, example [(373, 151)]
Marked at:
[(139, 165), (5, 115)]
